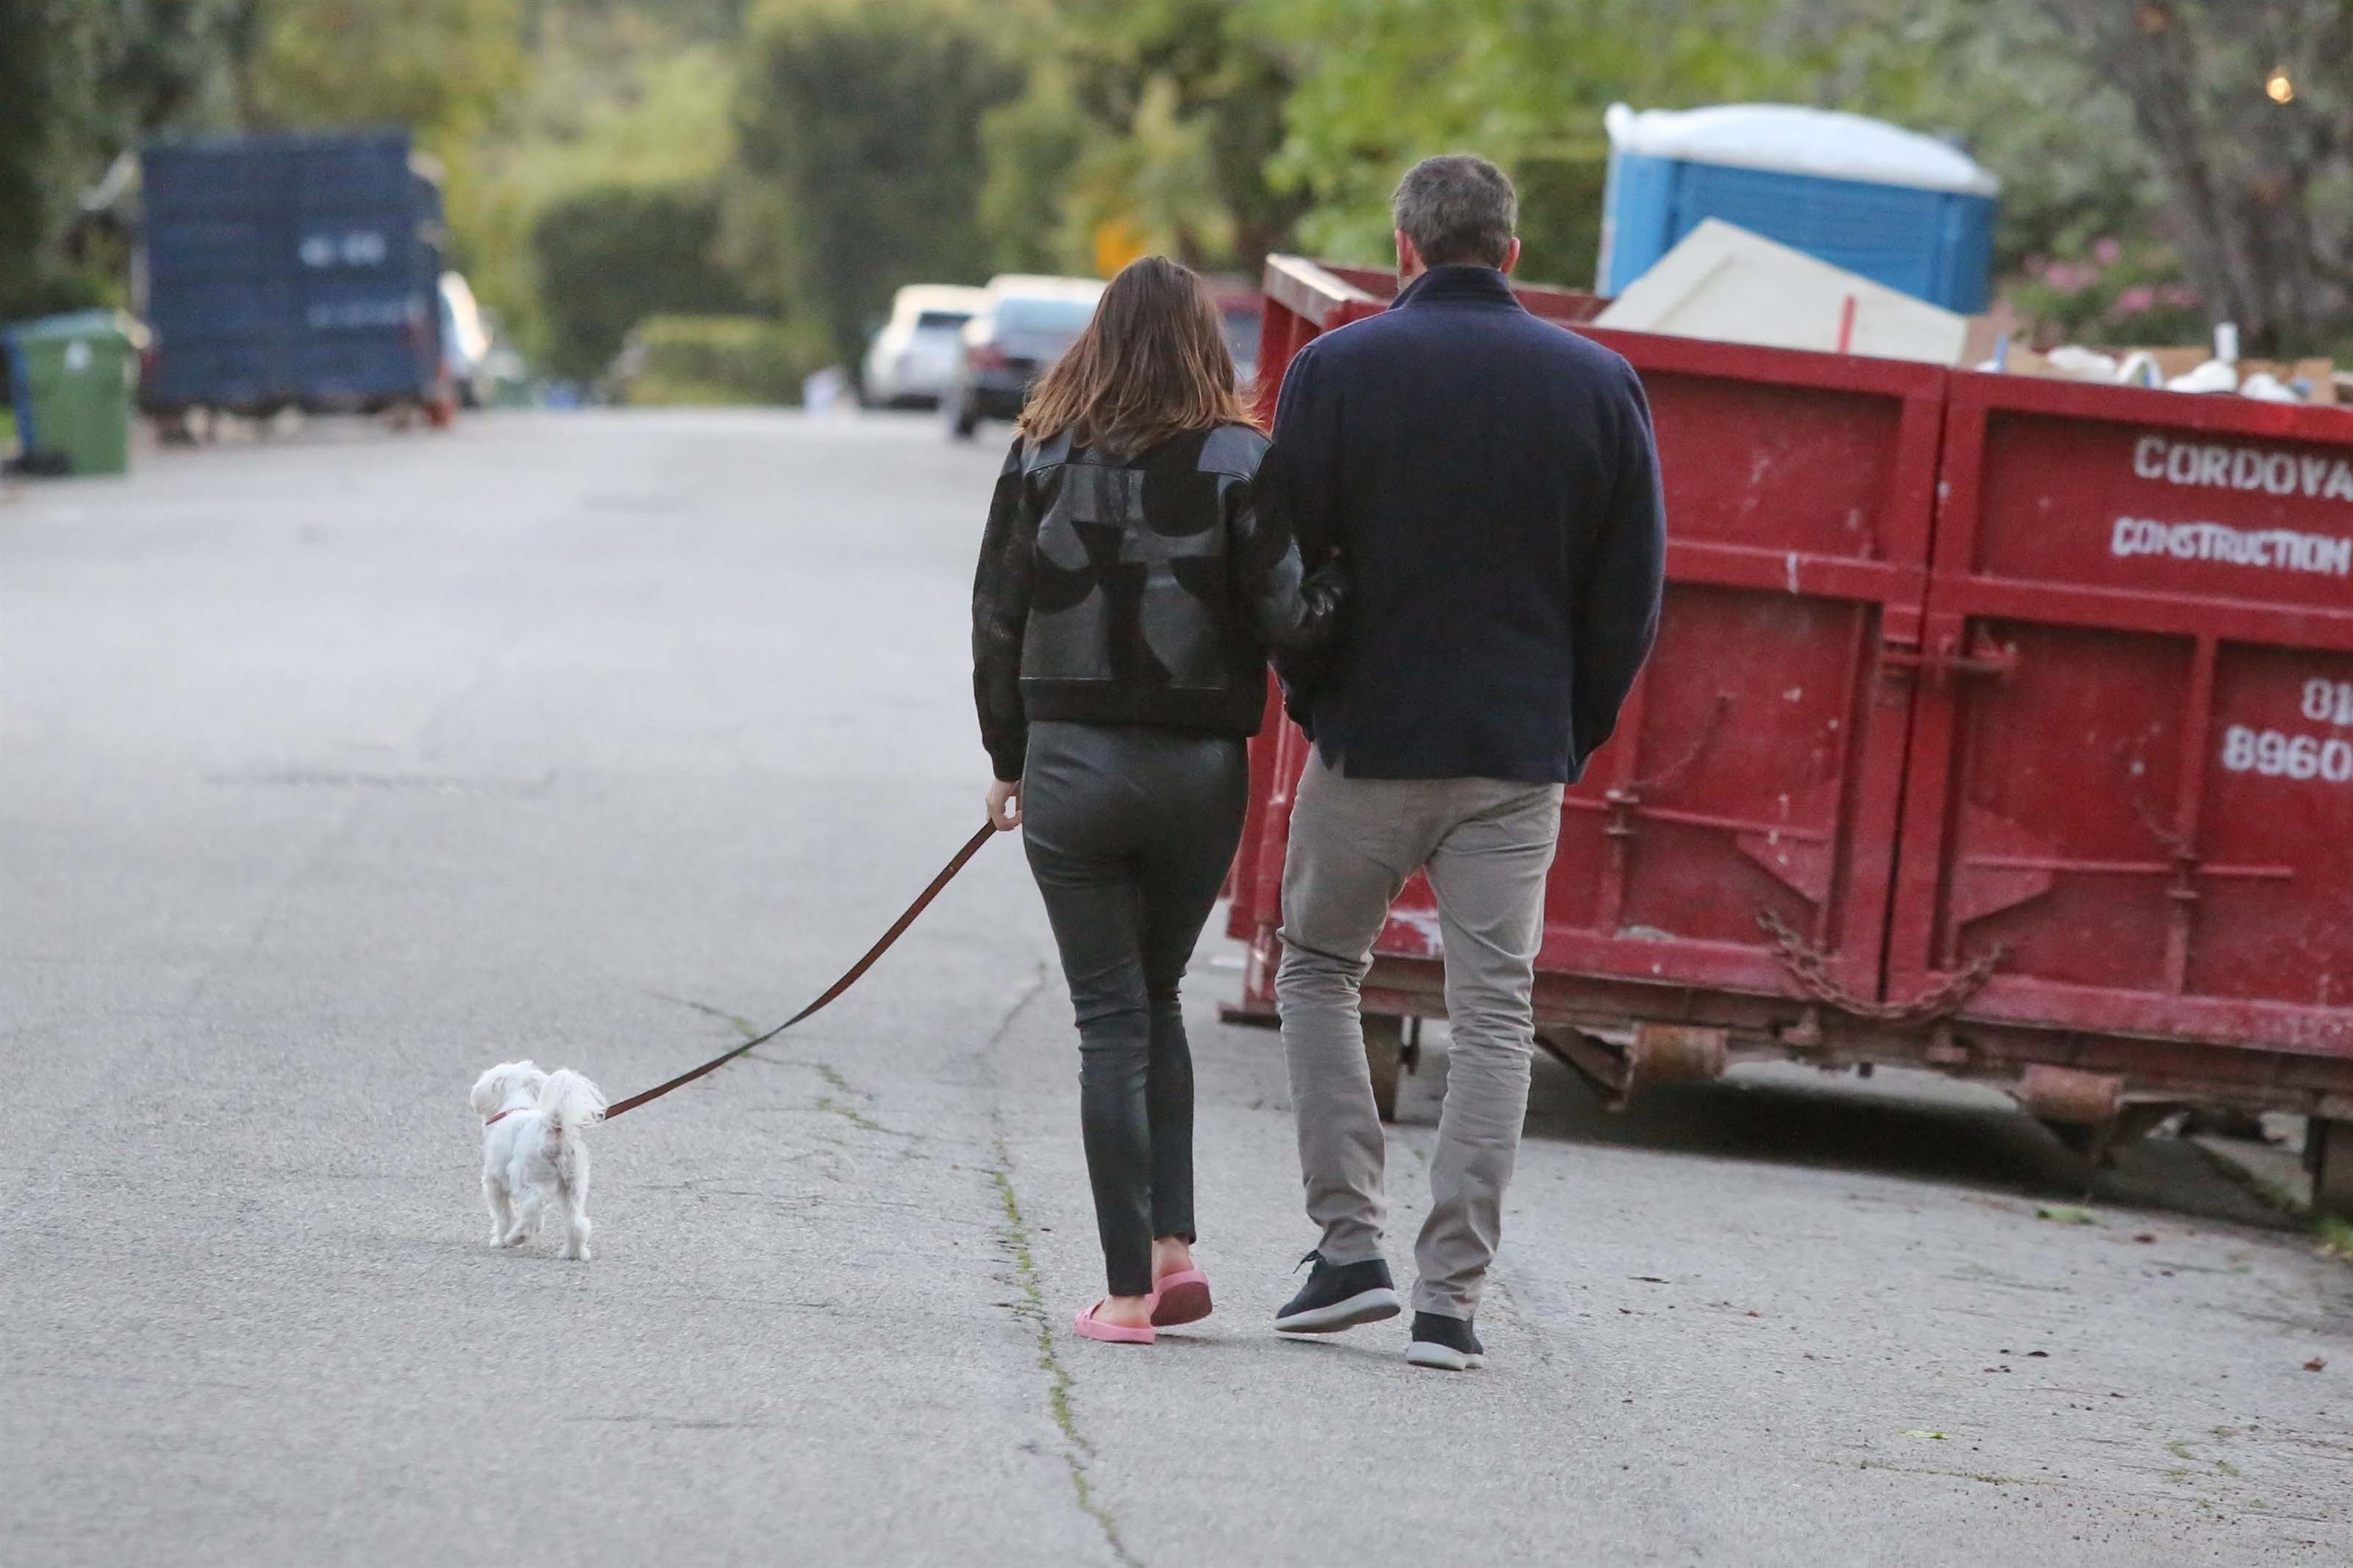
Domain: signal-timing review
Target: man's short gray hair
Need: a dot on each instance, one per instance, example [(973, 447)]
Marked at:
[(1457, 208)]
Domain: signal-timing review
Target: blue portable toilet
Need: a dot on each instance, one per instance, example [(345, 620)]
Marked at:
[(1898, 208)]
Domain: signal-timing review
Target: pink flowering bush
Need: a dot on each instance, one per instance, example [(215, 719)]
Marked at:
[(2110, 291)]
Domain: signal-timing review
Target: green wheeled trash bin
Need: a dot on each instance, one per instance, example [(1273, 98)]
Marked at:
[(71, 378)]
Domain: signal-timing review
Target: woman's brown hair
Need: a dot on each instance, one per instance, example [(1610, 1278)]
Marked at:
[(1152, 363)]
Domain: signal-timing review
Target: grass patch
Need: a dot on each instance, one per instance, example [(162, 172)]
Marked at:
[(2332, 1233)]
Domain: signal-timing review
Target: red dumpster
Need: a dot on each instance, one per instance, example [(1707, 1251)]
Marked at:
[(2133, 782), (2044, 782)]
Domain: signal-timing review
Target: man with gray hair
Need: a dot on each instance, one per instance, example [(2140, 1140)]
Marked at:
[(1490, 481)]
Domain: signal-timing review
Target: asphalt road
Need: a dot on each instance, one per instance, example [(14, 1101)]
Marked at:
[(334, 768)]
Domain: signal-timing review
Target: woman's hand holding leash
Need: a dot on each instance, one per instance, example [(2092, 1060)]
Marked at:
[(1005, 805)]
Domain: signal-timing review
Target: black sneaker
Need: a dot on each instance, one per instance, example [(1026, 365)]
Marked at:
[(1339, 1296), (1446, 1343)]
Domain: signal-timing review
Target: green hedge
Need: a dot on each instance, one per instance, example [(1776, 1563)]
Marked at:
[(688, 360)]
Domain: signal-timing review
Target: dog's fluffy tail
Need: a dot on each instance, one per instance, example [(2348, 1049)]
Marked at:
[(570, 1105)]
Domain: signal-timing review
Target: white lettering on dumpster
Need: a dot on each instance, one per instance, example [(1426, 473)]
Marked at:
[(2273, 755), (2330, 702), (2218, 467), (2278, 548)]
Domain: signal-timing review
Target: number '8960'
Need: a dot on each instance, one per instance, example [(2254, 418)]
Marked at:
[(2275, 755)]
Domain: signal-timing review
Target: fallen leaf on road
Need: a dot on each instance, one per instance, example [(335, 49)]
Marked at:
[(1931, 1436), (2144, 1236), (2044, 1354), (2316, 1363), (1647, 1279), (2064, 1213)]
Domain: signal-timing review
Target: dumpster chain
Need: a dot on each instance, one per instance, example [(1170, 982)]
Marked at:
[(1809, 967)]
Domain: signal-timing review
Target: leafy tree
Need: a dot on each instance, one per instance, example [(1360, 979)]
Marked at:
[(859, 163), (2244, 109), (612, 256), (1030, 146), (611, 99), (442, 68), (1523, 82), (80, 81), (39, 73), (1154, 117)]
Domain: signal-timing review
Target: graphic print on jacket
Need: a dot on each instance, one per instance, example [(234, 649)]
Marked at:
[(1136, 590)]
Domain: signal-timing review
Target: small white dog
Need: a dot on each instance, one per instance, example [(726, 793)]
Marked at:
[(535, 1150)]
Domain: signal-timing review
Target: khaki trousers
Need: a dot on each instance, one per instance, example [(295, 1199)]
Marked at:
[(1487, 845)]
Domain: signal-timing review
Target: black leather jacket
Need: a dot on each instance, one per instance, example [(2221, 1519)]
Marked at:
[(1136, 590)]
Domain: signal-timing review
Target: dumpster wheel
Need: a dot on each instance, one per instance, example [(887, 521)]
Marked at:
[(2329, 1152)]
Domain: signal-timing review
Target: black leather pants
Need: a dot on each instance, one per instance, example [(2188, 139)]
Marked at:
[(1129, 831)]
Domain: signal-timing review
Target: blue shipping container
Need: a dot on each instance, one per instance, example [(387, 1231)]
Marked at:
[(289, 270), (1899, 208)]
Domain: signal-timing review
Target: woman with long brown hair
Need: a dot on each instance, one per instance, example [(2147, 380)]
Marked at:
[(1130, 583)]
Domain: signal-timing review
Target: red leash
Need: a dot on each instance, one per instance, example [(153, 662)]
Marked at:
[(857, 972)]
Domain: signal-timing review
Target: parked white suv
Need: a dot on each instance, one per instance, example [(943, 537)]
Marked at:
[(914, 359)]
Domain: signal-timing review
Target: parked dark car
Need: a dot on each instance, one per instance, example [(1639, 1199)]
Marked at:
[(1030, 322), (299, 270)]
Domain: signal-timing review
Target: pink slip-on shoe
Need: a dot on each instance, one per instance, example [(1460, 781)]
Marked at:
[(1091, 1327), (1180, 1298)]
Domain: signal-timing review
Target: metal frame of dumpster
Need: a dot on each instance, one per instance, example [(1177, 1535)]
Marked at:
[(1926, 772)]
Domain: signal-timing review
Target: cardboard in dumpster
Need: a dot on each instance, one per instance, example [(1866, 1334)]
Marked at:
[(1728, 284)]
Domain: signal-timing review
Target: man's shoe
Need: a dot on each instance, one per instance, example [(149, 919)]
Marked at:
[(1445, 1344), (1339, 1296)]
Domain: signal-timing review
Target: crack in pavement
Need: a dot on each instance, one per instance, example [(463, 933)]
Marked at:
[(741, 1025), (1028, 1305), (1030, 1308), (864, 1123), (826, 1070)]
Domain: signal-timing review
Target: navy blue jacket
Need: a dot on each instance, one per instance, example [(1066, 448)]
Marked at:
[(1490, 484)]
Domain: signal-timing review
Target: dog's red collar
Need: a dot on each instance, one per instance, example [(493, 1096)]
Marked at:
[(502, 1116)]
